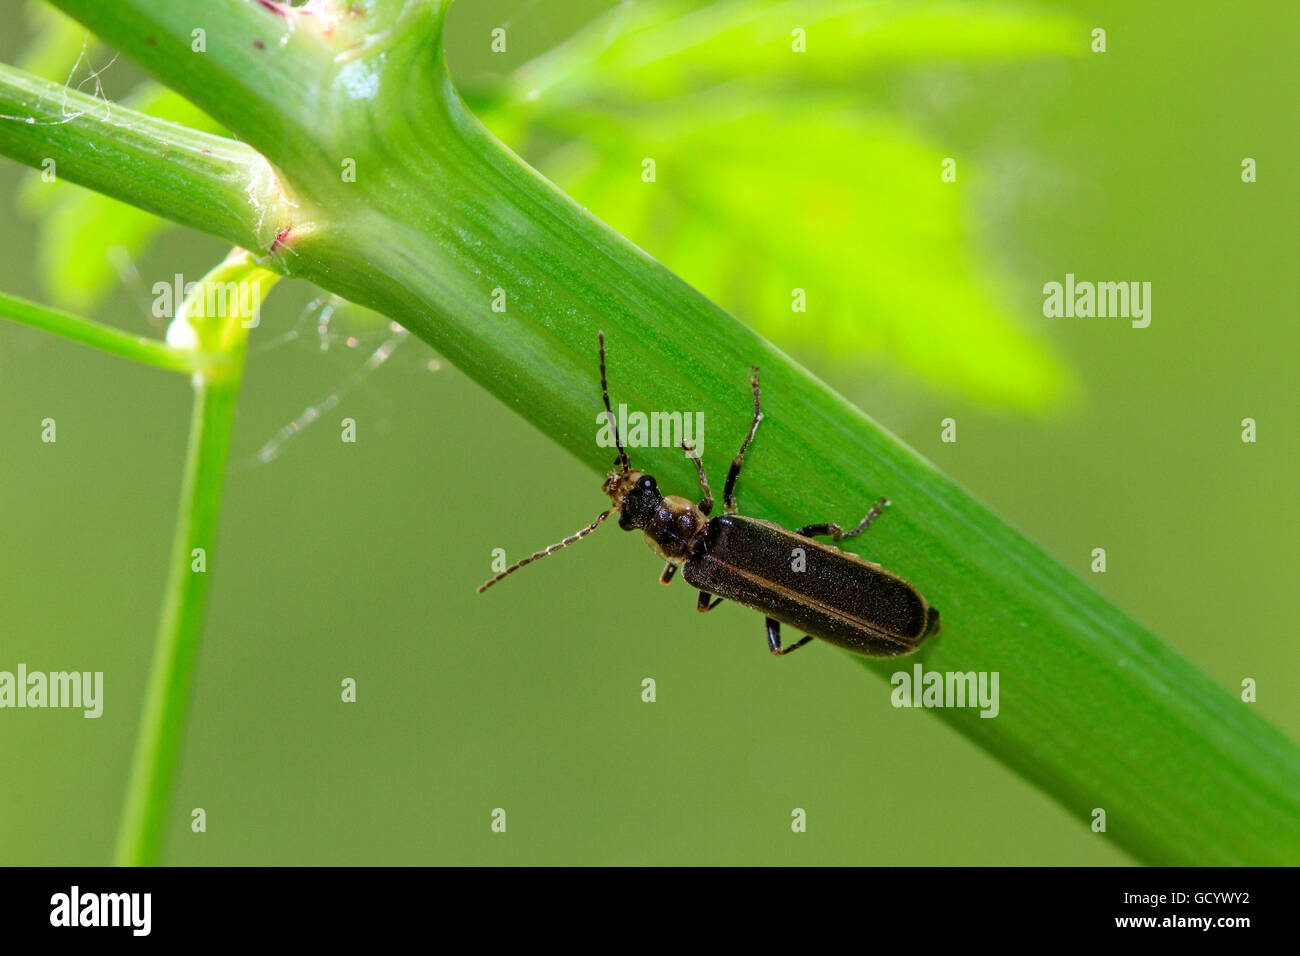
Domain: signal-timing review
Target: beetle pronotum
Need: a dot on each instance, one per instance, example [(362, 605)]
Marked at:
[(831, 594)]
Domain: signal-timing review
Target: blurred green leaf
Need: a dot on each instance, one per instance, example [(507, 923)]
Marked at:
[(59, 45), (773, 175), (649, 51), (852, 211)]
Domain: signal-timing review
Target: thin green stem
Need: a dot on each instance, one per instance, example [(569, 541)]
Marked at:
[(167, 698), (104, 337)]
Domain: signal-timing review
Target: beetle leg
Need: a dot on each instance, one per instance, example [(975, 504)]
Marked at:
[(774, 639), (706, 503), (832, 530), (876, 510), (669, 571), (729, 489), (703, 605)]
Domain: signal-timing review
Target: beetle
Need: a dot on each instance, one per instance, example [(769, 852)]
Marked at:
[(785, 575)]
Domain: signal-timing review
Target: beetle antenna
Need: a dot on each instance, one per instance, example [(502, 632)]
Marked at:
[(551, 550), (622, 459)]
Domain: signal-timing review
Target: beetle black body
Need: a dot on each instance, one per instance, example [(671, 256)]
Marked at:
[(838, 596), (788, 576)]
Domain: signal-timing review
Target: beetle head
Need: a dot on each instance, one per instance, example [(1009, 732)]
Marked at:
[(634, 495)]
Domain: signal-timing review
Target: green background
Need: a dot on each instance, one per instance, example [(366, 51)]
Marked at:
[(361, 560)]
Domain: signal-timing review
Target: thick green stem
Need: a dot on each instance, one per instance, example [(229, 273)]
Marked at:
[(439, 215), (217, 185)]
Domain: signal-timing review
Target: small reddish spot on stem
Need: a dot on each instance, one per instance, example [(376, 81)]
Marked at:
[(281, 237), (259, 44)]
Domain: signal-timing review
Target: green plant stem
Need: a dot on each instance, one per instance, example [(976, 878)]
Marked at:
[(104, 337), (167, 698), (216, 185), (1094, 708)]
